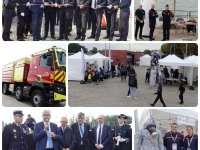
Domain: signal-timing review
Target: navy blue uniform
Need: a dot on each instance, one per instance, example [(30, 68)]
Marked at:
[(193, 143), (152, 21), (29, 123), (124, 132), (167, 16), (182, 90), (9, 6), (159, 96), (14, 137), (168, 141), (140, 14)]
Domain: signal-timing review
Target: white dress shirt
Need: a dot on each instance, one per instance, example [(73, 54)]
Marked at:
[(98, 128), (92, 4), (47, 137)]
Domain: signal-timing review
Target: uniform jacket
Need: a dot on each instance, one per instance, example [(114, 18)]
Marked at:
[(68, 10), (152, 19), (194, 142), (105, 137), (22, 8), (14, 137), (77, 136), (167, 16), (85, 10), (125, 132), (113, 3), (67, 139), (9, 5), (159, 91), (40, 136), (142, 138)]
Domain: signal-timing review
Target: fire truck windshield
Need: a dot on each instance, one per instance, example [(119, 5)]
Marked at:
[(61, 57)]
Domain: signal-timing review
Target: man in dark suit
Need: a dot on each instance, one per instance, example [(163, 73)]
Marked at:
[(50, 18), (81, 133), (37, 14), (65, 16), (96, 17), (82, 11), (67, 135), (46, 133), (111, 12), (101, 135)]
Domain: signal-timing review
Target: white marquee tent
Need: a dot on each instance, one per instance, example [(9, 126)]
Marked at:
[(145, 60), (75, 66)]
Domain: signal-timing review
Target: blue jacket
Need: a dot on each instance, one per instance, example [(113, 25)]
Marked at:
[(40, 136), (168, 140), (194, 142), (105, 137)]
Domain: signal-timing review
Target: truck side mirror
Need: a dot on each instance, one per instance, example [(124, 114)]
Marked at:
[(49, 61)]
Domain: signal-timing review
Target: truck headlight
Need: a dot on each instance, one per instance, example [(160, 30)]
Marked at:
[(60, 90)]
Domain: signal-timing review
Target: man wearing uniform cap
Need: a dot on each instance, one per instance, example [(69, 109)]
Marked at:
[(167, 17), (14, 134), (122, 134)]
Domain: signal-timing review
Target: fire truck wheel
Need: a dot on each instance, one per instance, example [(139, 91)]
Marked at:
[(19, 94), (5, 89), (38, 99)]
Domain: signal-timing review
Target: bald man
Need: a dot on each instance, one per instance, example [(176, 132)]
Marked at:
[(101, 135)]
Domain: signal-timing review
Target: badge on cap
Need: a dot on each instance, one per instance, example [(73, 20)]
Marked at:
[(14, 130)]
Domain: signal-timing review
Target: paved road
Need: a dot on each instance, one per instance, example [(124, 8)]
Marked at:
[(71, 38), (112, 93), (10, 101)]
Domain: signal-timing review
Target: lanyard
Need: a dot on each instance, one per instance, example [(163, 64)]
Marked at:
[(173, 137), (190, 140)]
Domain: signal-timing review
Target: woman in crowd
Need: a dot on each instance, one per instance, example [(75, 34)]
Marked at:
[(191, 140)]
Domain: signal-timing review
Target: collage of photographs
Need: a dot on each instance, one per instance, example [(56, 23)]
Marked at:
[(98, 74)]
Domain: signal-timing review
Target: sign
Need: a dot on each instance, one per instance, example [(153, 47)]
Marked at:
[(186, 121)]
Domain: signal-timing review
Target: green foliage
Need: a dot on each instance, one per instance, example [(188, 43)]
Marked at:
[(148, 52), (75, 47), (94, 50)]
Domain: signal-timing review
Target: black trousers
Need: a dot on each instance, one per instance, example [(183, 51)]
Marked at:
[(7, 25), (124, 24), (81, 23), (181, 97), (161, 100), (20, 26), (64, 24), (70, 25), (166, 32), (96, 23), (28, 23), (139, 25), (110, 19), (89, 21), (147, 79), (50, 19), (152, 28)]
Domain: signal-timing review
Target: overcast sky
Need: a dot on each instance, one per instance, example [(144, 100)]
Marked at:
[(17, 50), (124, 46)]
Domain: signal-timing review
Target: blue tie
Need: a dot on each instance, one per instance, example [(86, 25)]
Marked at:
[(81, 130), (49, 139)]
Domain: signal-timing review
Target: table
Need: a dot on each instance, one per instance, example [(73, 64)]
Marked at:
[(188, 24)]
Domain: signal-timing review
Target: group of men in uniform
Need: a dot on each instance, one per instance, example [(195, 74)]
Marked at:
[(140, 15), (82, 9), (49, 137)]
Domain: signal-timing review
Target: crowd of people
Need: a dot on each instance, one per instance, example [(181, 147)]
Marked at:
[(150, 137), (78, 136), (83, 12)]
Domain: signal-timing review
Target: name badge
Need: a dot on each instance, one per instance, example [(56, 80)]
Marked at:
[(174, 146), (189, 149)]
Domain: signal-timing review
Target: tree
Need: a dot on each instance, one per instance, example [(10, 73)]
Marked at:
[(100, 51), (148, 52), (94, 50), (75, 47)]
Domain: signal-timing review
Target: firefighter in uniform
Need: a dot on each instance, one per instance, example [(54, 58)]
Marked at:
[(14, 134), (167, 17), (122, 134), (30, 122), (9, 6), (152, 21)]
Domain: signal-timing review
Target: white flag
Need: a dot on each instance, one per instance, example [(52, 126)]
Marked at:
[(83, 62)]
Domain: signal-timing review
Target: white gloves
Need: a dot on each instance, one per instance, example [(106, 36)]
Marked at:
[(109, 7), (56, 4), (28, 4), (42, 6), (22, 14)]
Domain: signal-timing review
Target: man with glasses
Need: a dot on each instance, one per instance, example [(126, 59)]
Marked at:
[(173, 140), (101, 135), (140, 16), (67, 135), (81, 133), (46, 133), (15, 134)]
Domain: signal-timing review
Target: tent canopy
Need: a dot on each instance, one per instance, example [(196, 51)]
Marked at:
[(192, 59), (79, 57), (145, 60), (173, 60), (99, 56)]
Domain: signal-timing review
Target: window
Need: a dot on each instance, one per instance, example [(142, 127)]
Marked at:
[(43, 62)]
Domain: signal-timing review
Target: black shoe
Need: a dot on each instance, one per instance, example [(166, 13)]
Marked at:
[(60, 38), (77, 38), (53, 37), (111, 38), (152, 104), (180, 102), (91, 37), (8, 39), (119, 39), (163, 40), (83, 38), (164, 106), (66, 38), (44, 37), (41, 38), (96, 38), (106, 37), (35, 39), (20, 39), (124, 39), (150, 39)]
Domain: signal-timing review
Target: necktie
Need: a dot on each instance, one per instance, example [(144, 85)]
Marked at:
[(63, 129), (80, 125), (50, 144), (99, 138), (95, 3)]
